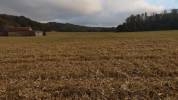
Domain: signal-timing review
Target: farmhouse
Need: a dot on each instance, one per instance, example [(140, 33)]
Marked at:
[(40, 33), (21, 31)]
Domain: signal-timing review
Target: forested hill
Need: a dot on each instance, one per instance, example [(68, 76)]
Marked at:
[(168, 20), (21, 21)]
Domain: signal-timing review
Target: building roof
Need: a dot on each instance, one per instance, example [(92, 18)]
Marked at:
[(20, 29)]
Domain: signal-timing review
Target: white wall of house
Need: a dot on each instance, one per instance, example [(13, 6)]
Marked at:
[(38, 33)]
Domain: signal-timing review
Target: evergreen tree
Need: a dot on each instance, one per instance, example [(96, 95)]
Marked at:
[(154, 22)]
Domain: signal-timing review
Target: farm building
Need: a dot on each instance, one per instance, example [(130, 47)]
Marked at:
[(40, 33), (21, 31)]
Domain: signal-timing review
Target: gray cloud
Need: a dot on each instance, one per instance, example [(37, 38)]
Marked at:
[(82, 12)]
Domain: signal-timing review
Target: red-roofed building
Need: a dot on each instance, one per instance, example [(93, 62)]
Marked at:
[(21, 31)]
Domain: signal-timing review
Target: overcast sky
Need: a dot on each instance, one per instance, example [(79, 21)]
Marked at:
[(83, 12)]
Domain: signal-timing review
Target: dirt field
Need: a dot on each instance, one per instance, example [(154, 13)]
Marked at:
[(90, 66)]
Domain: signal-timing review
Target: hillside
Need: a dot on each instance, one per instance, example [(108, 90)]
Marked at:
[(21, 21), (167, 20)]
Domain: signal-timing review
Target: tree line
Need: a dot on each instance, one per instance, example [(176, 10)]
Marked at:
[(167, 20)]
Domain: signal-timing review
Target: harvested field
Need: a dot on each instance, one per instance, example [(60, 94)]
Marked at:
[(90, 66)]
